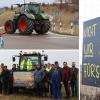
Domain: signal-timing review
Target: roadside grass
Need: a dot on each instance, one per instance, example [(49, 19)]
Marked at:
[(2, 31), (65, 17), (6, 15)]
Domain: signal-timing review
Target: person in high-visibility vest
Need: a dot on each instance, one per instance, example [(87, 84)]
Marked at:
[(29, 65), (49, 84), (26, 65), (48, 67)]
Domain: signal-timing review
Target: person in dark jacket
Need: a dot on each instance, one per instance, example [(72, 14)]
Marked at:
[(60, 72), (66, 79), (5, 75), (14, 67), (1, 66), (56, 82), (49, 79), (39, 80), (48, 69), (74, 77)]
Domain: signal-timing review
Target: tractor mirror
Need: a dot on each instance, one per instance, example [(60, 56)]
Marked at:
[(45, 58), (13, 59)]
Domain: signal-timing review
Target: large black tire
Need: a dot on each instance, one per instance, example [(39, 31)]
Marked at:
[(25, 25), (42, 27), (9, 27)]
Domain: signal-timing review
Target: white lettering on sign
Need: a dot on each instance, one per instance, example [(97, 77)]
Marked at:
[(91, 70), (90, 31), (88, 50)]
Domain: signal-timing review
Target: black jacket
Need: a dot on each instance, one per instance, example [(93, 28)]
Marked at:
[(5, 75)]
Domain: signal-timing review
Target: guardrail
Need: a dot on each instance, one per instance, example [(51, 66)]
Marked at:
[(60, 28)]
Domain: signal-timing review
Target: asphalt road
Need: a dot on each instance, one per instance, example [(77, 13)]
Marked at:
[(47, 41)]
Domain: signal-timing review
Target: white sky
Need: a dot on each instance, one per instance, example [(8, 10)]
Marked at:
[(89, 9), (53, 55), (9, 2)]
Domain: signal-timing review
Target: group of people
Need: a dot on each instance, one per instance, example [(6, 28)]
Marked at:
[(49, 80), (52, 77)]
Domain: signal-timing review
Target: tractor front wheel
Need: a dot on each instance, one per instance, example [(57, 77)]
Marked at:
[(9, 27), (25, 25), (42, 27)]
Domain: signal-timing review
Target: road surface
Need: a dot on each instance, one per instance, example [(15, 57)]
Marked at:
[(47, 41)]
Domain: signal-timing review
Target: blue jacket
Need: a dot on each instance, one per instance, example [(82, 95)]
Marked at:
[(1, 42), (39, 75), (56, 75)]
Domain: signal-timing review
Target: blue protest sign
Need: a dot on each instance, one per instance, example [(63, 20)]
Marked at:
[(91, 53)]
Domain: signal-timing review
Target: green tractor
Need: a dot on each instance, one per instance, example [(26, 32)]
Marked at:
[(28, 17)]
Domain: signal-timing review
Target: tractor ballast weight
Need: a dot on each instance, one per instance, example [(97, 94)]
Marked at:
[(29, 17)]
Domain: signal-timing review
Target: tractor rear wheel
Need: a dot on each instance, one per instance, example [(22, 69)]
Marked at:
[(42, 27), (9, 27), (25, 25)]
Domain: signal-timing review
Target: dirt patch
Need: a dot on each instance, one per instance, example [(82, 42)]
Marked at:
[(22, 97)]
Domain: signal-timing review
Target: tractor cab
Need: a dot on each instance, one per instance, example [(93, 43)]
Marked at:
[(34, 59), (31, 8)]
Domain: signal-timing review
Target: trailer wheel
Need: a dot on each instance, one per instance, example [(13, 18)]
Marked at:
[(9, 27), (25, 25), (42, 27)]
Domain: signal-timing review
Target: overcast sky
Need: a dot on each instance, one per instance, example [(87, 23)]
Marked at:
[(89, 9), (4, 3), (53, 55)]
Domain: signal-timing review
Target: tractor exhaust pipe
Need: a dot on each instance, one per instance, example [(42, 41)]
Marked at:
[(24, 5)]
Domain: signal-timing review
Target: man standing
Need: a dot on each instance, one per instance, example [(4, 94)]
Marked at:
[(1, 41), (39, 80), (48, 71), (66, 79), (5, 75), (14, 67), (1, 66), (56, 78), (74, 77)]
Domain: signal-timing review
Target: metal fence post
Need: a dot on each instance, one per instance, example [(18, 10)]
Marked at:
[(60, 27)]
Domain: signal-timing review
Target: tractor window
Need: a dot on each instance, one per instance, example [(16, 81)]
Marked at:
[(35, 9), (33, 59), (23, 8)]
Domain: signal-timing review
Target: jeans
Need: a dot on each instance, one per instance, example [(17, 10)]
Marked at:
[(74, 87)]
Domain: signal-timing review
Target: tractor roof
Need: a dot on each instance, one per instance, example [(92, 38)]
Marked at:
[(31, 3), (30, 54)]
